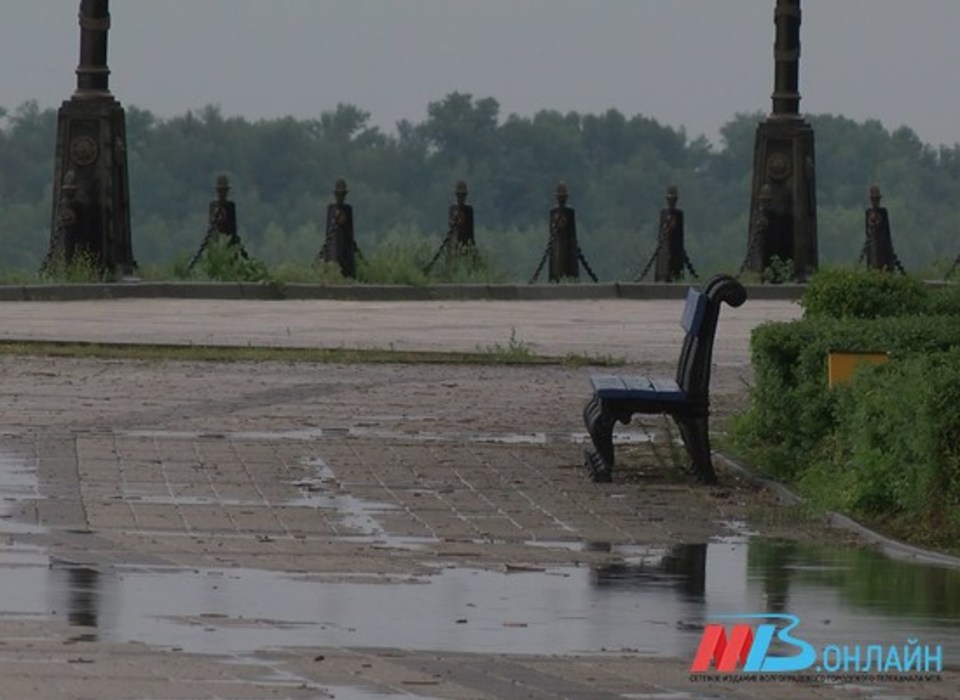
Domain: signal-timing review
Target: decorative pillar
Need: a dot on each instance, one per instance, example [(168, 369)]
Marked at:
[(92, 149), (784, 159)]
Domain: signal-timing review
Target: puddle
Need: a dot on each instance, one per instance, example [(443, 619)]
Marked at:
[(622, 437), (341, 693), (18, 484), (354, 513), (651, 602)]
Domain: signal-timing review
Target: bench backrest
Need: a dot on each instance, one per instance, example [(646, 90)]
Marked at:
[(693, 311), (699, 320)]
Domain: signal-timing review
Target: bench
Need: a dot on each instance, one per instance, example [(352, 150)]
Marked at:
[(686, 398)]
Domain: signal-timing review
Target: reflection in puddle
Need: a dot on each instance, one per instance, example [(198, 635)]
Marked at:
[(653, 602), (84, 598)]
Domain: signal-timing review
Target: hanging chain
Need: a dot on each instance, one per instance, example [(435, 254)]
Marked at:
[(543, 261), (443, 247), (896, 261), (546, 254), (653, 258), (956, 263), (689, 266), (586, 265), (751, 249)]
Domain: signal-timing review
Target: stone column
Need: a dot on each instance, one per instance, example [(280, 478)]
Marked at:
[(92, 145), (784, 154)]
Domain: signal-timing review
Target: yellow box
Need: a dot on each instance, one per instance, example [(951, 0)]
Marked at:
[(841, 364)]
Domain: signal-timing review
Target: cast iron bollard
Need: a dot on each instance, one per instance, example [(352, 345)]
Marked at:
[(670, 255), (563, 239), (339, 245), (222, 222), (459, 239), (563, 250), (878, 246)]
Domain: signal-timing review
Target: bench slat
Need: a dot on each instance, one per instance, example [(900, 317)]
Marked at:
[(636, 388), (607, 383), (663, 385), (638, 383)]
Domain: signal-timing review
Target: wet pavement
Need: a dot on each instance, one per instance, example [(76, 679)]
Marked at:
[(205, 530)]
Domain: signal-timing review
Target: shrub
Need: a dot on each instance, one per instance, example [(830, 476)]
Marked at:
[(791, 411), (862, 293), (468, 265), (895, 452), (396, 260), (779, 271), (403, 259), (222, 262), (944, 300)]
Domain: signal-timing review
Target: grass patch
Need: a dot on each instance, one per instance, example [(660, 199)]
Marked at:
[(515, 349), (241, 353), (83, 268), (229, 353), (18, 277), (573, 360)]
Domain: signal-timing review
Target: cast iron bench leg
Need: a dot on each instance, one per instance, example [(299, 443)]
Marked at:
[(600, 426), (696, 439)]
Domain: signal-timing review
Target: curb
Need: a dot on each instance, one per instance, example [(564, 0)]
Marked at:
[(372, 292), (891, 547)]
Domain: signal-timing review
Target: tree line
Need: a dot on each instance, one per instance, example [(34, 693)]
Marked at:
[(616, 167)]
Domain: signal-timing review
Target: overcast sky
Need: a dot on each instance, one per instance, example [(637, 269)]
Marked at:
[(690, 63)]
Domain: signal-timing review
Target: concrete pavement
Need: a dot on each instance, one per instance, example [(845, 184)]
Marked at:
[(247, 530), (638, 330)]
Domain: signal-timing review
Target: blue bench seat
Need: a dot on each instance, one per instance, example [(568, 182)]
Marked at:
[(609, 386)]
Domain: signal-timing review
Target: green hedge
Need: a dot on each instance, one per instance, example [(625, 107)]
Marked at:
[(944, 300), (863, 293), (890, 442), (894, 454), (791, 410)]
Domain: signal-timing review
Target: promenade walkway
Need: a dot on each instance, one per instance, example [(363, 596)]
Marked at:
[(254, 530), (638, 330)]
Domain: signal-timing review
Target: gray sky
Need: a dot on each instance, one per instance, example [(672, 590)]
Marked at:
[(691, 63)]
